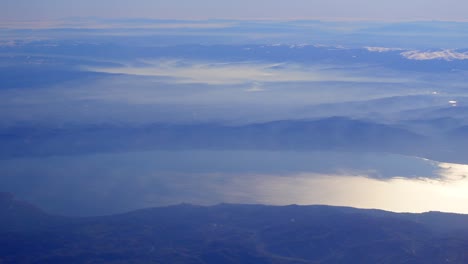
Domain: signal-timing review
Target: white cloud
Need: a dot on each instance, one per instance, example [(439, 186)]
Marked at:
[(256, 87), (381, 49), (447, 55), (216, 73)]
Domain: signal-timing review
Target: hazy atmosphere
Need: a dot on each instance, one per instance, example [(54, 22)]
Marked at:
[(108, 107), (211, 131), (451, 10)]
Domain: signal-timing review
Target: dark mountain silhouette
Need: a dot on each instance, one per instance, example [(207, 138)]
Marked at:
[(329, 133), (22, 216), (239, 234)]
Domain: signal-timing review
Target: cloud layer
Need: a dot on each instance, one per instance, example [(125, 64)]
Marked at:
[(448, 55)]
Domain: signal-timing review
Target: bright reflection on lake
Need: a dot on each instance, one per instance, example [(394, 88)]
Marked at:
[(110, 183), (399, 194)]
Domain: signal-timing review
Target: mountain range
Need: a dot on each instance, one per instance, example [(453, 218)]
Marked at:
[(334, 133), (230, 233)]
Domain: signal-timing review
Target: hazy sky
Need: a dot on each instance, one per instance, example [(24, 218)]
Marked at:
[(239, 9)]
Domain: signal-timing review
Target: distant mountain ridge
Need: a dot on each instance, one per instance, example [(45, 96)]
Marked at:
[(21, 216), (437, 138), (328, 133)]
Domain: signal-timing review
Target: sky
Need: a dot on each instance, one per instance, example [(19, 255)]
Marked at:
[(451, 10)]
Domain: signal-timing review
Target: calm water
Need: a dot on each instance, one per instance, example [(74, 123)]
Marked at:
[(111, 183)]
